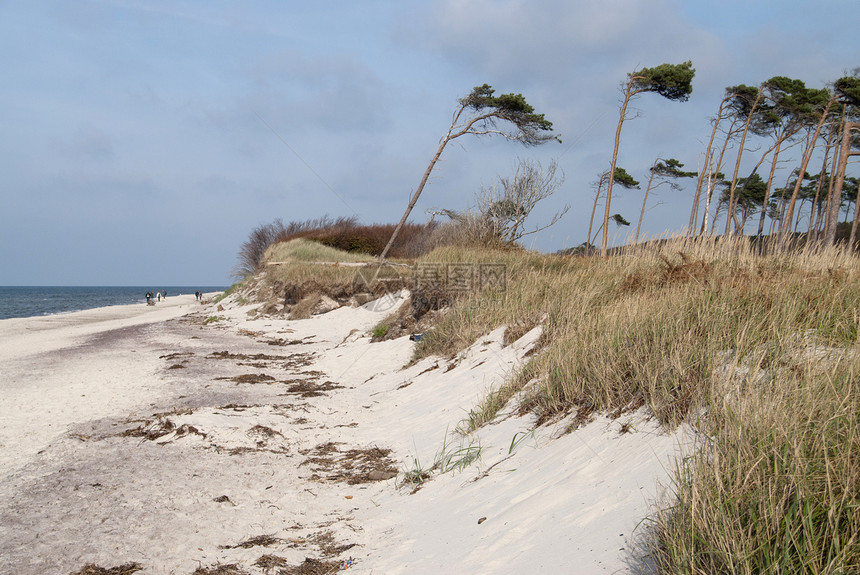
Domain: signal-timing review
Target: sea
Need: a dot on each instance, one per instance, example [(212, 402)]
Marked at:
[(30, 301)]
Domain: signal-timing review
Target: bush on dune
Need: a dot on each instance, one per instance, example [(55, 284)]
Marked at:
[(344, 234), (348, 235)]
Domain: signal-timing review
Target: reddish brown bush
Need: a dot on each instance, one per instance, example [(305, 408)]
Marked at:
[(345, 234)]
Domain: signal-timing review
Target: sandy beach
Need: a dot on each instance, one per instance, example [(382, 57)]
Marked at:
[(146, 435)]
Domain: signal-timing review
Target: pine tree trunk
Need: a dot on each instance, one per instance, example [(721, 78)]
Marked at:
[(853, 237), (716, 217), (780, 206), (627, 96), (697, 197), (730, 208), (815, 213), (694, 212), (834, 166), (414, 199), (709, 195), (712, 172), (644, 200), (593, 211), (815, 225), (844, 152), (767, 190), (785, 226)]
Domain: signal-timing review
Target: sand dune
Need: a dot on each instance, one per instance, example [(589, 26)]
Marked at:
[(139, 435)]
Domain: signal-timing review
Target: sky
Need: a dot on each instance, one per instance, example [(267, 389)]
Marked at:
[(142, 141)]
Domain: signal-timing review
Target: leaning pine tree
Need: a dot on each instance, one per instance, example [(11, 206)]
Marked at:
[(481, 113), (664, 171), (621, 178), (848, 91), (672, 81)]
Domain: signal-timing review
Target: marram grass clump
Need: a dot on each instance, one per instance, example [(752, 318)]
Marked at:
[(654, 326), (300, 249), (775, 488)]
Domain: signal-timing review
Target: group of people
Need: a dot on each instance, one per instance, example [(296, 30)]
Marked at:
[(157, 295), (153, 296)]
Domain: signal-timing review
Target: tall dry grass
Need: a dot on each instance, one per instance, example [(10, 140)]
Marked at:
[(776, 488), (651, 326), (305, 250), (760, 353)]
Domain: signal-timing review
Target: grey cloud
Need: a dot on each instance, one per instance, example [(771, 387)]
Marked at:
[(337, 94), (515, 37), (89, 142)]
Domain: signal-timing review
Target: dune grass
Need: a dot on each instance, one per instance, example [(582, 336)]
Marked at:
[(758, 353), (776, 487), (652, 326), (305, 250), (307, 263)]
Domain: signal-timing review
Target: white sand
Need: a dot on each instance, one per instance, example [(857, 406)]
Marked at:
[(240, 460), (50, 378)]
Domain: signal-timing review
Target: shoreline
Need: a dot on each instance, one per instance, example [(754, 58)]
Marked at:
[(23, 302), (50, 356), (144, 436)]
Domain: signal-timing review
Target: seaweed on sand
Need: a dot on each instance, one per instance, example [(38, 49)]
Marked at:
[(229, 569), (92, 569)]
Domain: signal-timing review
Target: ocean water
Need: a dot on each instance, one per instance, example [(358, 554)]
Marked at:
[(30, 301)]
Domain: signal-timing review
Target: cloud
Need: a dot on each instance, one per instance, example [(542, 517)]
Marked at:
[(331, 93), (88, 143), (560, 39), (502, 35), (570, 58), (108, 101)]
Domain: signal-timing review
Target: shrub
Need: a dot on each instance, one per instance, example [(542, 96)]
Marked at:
[(350, 237), (251, 252), (379, 331), (344, 234), (499, 219)]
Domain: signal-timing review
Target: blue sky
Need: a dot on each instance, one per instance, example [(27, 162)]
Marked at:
[(137, 142)]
